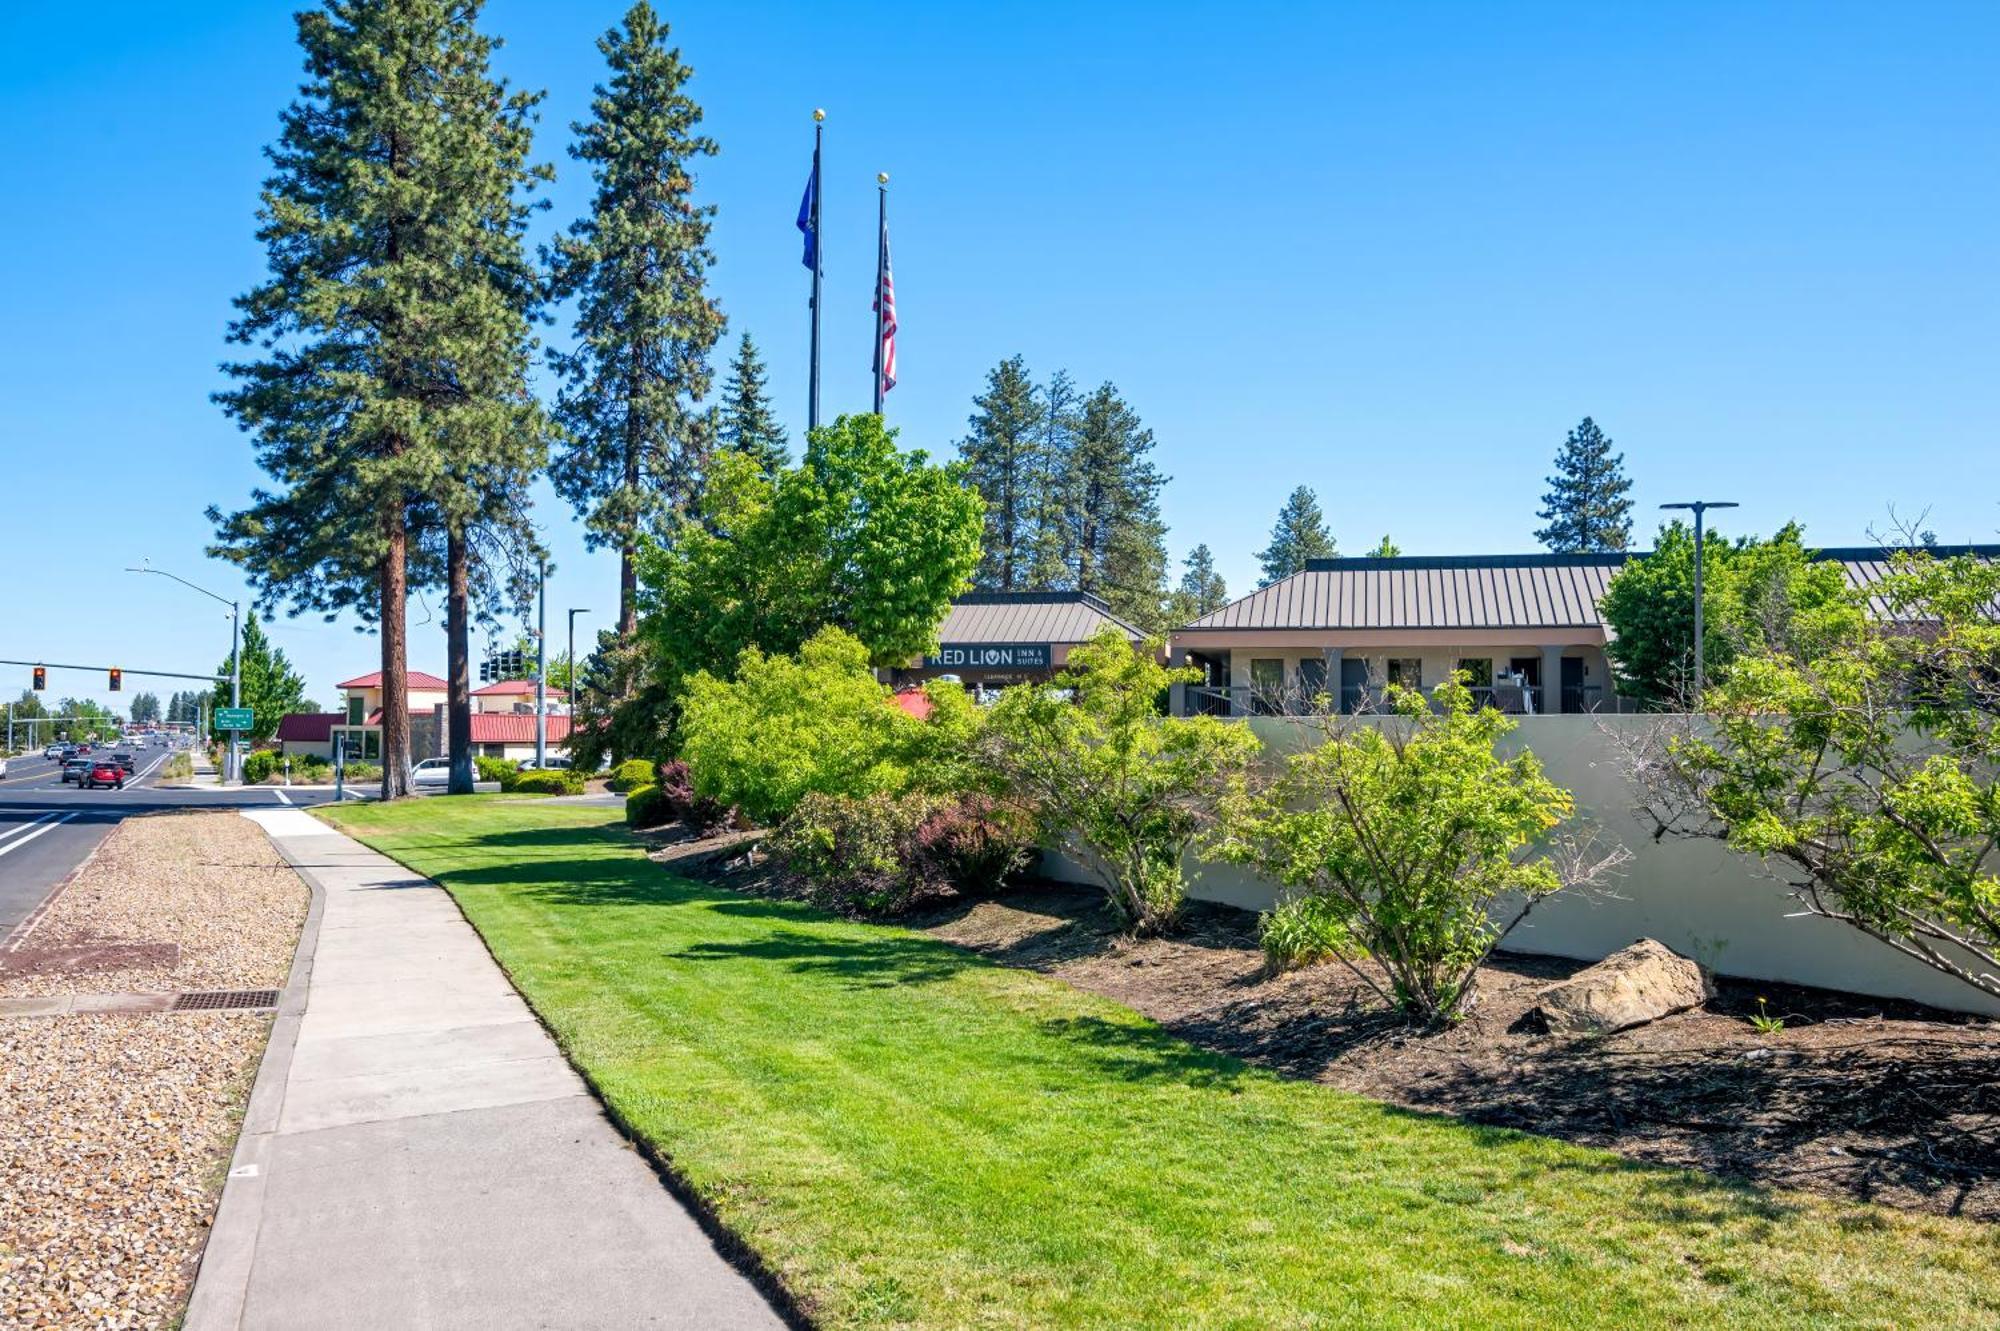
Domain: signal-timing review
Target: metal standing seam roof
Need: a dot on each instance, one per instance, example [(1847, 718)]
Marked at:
[(1472, 592), (1007, 617)]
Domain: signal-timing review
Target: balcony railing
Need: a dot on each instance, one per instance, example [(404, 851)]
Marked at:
[(1252, 700)]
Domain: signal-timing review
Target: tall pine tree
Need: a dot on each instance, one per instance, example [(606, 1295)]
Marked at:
[(1111, 499), (1049, 547), (745, 419), (1202, 590), (1299, 534), (1002, 454), (1586, 506), (638, 266), (392, 327)]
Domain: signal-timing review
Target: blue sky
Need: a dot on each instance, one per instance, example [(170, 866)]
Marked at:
[(1391, 252)]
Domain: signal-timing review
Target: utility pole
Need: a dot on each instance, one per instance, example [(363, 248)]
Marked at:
[(233, 768), (572, 659), (1700, 507), (542, 670)]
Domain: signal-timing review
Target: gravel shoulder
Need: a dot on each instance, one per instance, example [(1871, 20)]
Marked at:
[(115, 1129)]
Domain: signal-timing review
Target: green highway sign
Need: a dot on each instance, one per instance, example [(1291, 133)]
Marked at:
[(234, 718)]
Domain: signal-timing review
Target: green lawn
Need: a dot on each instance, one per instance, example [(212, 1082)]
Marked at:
[(910, 1136)]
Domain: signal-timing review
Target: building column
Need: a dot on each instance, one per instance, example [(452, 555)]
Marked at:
[(1550, 703), (1333, 659), (1177, 692)]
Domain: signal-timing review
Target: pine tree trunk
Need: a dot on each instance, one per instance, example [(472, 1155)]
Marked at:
[(628, 593), (395, 654), (458, 660)]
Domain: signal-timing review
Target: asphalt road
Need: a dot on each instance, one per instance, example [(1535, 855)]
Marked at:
[(47, 828)]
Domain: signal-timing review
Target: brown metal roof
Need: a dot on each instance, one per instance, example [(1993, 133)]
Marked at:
[(1009, 617), (1473, 591)]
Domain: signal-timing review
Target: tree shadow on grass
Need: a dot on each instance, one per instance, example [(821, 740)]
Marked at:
[(882, 962)]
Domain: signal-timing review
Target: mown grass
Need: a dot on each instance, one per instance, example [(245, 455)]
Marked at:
[(910, 1136)]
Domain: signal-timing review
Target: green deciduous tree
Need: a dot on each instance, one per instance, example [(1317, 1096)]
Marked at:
[(638, 269), (1107, 774), (1754, 592), (1586, 508), (1859, 764), (1002, 452), (270, 687), (745, 419), (1299, 534), (393, 327), (1412, 842)]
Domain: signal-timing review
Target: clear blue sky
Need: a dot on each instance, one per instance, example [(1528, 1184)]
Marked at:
[(1391, 252)]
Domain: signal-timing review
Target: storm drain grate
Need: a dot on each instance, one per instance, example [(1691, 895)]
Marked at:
[(217, 999)]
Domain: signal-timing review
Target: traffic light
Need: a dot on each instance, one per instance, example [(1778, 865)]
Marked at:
[(41, 678), (117, 679)]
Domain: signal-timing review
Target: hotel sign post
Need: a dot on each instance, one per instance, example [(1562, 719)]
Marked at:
[(990, 656)]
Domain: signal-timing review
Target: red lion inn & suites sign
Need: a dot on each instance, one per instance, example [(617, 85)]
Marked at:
[(989, 656)]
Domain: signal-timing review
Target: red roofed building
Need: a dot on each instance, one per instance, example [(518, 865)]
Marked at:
[(503, 720)]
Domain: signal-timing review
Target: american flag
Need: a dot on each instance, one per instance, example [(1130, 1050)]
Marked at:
[(885, 305)]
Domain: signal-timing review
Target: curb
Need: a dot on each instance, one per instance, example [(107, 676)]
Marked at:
[(222, 1280)]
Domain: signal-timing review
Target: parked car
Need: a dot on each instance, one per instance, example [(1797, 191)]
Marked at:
[(431, 772), (554, 764), (75, 767), (103, 772)]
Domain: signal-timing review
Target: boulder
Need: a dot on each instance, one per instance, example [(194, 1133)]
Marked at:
[(1632, 986)]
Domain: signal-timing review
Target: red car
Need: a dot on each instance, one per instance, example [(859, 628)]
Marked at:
[(104, 772)]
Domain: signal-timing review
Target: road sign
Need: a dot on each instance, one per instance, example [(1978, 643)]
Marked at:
[(234, 718)]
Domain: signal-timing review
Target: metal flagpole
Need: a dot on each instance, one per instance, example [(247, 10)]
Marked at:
[(881, 253), (819, 139)]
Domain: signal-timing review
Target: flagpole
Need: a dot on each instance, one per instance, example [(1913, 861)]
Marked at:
[(881, 254), (819, 140)]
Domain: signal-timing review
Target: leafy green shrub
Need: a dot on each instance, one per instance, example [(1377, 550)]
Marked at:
[(852, 852), (1422, 846), (360, 773), (788, 727), (698, 812), (494, 769), (1301, 931), (1105, 772), (975, 844), (180, 767), (555, 781), (630, 775), (311, 770), (261, 766), (646, 806)]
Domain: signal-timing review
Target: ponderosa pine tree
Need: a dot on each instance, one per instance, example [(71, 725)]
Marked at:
[(391, 328), (1111, 498), (1202, 590), (1586, 506), (745, 420), (1299, 534), (638, 266), (1002, 462), (1386, 549), (1049, 548)]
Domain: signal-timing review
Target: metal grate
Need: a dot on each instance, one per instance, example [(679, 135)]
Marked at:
[(218, 999)]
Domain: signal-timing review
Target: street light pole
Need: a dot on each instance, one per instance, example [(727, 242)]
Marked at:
[(572, 658), (1700, 507), (233, 767), (542, 672)]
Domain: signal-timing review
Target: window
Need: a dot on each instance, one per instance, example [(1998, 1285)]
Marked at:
[(1407, 671), (355, 716), (1267, 685)]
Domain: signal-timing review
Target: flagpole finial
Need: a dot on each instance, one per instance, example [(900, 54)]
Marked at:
[(881, 177), (819, 113)]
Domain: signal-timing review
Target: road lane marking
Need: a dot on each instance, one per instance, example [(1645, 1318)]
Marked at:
[(283, 798), (16, 831), (46, 826)]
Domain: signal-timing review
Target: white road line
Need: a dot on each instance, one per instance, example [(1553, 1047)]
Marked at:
[(283, 798), (19, 842), (16, 831)]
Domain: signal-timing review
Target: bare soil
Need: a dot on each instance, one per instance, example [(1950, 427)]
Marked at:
[(1859, 1098)]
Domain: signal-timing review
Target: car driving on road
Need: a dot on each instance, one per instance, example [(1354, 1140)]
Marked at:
[(103, 772), (123, 759), (75, 767), (53, 751)]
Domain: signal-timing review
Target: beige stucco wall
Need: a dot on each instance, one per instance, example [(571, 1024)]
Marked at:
[(1696, 896)]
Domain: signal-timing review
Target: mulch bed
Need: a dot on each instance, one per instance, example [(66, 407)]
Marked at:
[(1859, 1098)]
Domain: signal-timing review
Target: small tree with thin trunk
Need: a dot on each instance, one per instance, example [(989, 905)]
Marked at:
[(1107, 774)]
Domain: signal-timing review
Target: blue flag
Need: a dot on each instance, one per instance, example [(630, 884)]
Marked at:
[(807, 222)]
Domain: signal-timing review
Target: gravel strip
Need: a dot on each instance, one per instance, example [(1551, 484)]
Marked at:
[(169, 903), (115, 1132)]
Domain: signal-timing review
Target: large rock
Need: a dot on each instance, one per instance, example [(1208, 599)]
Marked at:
[(1635, 985)]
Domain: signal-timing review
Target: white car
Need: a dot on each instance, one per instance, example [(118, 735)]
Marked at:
[(431, 772), (3, 766)]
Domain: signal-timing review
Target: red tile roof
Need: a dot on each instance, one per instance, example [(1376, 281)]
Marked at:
[(508, 687), (309, 727), (514, 728), (412, 679)]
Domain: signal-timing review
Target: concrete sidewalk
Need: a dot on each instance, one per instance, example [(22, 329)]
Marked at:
[(417, 1153)]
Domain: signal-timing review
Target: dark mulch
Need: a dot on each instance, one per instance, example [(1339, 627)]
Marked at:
[(88, 955), (1860, 1098)]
